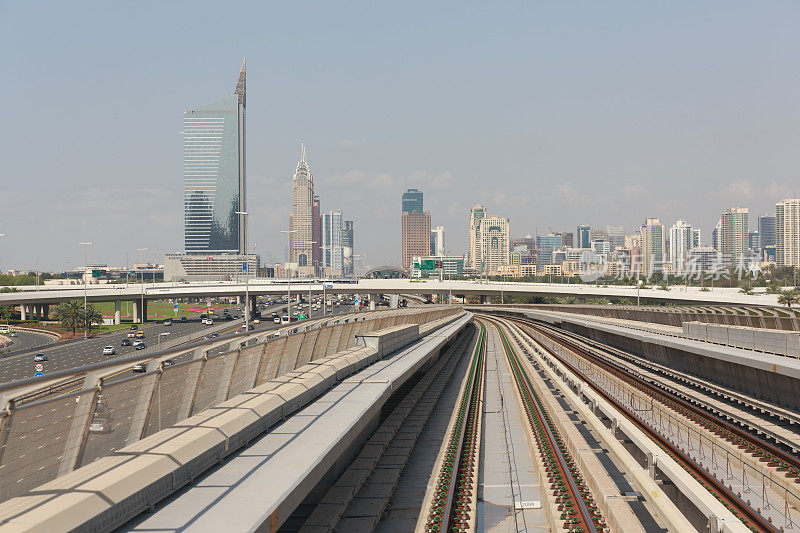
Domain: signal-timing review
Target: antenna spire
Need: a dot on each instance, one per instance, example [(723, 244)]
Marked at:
[(302, 152)]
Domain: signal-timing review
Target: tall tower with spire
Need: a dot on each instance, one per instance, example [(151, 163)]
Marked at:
[(214, 175), (302, 243)]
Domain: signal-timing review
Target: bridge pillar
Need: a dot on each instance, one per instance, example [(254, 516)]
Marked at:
[(483, 298), (238, 300), (373, 300), (23, 312), (251, 307), (139, 311), (394, 300), (46, 312), (117, 312)]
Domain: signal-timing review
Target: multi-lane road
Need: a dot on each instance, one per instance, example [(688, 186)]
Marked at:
[(77, 353)]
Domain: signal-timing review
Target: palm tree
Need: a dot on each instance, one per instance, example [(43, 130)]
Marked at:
[(788, 297), (69, 314), (745, 286), (90, 316), (774, 287)]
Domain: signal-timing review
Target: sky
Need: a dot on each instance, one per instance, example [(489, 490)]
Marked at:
[(552, 114)]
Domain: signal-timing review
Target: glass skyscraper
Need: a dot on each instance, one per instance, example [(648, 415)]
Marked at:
[(412, 201), (214, 174)]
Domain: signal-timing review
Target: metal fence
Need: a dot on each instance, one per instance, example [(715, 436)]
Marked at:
[(42, 440)]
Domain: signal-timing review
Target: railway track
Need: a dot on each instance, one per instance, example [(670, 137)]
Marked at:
[(579, 512), (774, 456), (453, 504)]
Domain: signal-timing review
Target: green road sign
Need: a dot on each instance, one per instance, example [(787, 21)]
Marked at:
[(427, 264), (301, 316)]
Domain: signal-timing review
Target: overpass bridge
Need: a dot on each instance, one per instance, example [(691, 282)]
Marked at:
[(36, 302), (537, 418)]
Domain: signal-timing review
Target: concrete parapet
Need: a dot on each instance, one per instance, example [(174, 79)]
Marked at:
[(763, 340), (386, 341)]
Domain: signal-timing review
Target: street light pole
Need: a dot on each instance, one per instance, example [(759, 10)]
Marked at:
[(288, 233), (141, 261), (85, 305), (309, 282), (246, 278)]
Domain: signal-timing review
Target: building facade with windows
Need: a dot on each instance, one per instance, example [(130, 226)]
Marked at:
[(301, 220), (495, 233), (332, 243), (787, 233), (214, 175), (653, 244), (477, 213), (212, 267), (735, 236)]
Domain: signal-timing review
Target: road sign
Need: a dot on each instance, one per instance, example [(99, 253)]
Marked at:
[(38, 374), (244, 267), (39, 367), (427, 264), (176, 306), (301, 316)]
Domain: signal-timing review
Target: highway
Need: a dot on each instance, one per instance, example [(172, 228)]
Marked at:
[(25, 341), (76, 353)]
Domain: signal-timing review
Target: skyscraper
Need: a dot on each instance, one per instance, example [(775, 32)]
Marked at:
[(416, 238), (348, 240), (301, 247), (582, 236), (316, 232), (766, 232), (495, 239), (214, 175), (437, 241), (412, 201), (332, 242), (787, 232), (475, 215), (545, 244), (681, 241), (653, 241), (735, 235)]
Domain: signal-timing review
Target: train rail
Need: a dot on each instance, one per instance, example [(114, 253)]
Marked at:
[(579, 512), (749, 516), (451, 508)]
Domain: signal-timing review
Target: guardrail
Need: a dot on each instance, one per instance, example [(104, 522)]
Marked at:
[(45, 439)]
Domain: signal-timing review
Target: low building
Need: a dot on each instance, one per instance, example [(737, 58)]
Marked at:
[(219, 267)]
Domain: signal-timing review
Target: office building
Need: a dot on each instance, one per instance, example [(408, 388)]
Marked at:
[(616, 236), (681, 241), (214, 175), (787, 233), (528, 243), (332, 243), (703, 259), (567, 238), (437, 242), (348, 240), (316, 232), (416, 238), (412, 201), (495, 234), (766, 232), (545, 244), (477, 213), (716, 236), (301, 221), (582, 236), (211, 267), (735, 236), (653, 244)]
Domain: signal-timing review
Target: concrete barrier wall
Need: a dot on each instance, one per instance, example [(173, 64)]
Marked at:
[(104, 495), (759, 339), (125, 411)]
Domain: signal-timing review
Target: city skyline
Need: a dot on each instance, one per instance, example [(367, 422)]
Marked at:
[(113, 153)]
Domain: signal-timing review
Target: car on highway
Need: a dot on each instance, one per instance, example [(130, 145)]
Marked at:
[(12, 333), (131, 334), (140, 367), (207, 321), (99, 425), (134, 327), (183, 319), (109, 350), (125, 342), (140, 334), (4, 330), (256, 321), (276, 319), (140, 346), (40, 357), (168, 322), (213, 336), (168, 362)]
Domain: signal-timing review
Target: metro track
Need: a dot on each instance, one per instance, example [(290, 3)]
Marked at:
[(775, 456)]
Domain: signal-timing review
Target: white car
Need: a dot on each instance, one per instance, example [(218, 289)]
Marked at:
[(137, 342), (4, 330), (109, 350), (208, 321)]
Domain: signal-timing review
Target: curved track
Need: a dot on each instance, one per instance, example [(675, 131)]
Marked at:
[(749, 516)]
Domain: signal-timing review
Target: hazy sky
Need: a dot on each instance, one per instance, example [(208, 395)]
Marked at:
[(550, 113)]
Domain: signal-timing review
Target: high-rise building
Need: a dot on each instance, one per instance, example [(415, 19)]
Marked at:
[(681, 241), (653, 243), (616, 236), (348, 240), (545, 244), (787, 232), (412, 201), (567, 238), (301, 245), (316, 232), (214, 175), (416, 238), (582, 236), (735, 236), (766, 232), (437, 242), (716, 236), (477, 213), (495, 239), (332, 242)]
